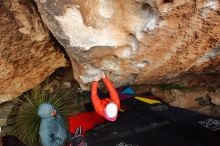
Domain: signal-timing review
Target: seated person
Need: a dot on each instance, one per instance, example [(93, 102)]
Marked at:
[(53, 130), (107, 107)]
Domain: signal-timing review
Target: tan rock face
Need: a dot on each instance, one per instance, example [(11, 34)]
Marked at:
[(138, 41), (201, 99), (215, 97), (27, 54), (183, 99)]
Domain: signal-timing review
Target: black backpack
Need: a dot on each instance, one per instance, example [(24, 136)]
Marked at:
[(78, 139)]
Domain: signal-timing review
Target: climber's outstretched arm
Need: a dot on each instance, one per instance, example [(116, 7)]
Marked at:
[(99, 108), (113, 93)]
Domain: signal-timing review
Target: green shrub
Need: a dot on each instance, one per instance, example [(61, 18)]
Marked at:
[(26, 122)]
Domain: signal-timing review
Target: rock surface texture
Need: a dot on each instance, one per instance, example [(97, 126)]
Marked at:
[(204, 100), (27, 54), (138, 41)]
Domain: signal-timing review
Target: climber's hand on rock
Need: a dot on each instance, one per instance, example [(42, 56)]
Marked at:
[(91, 74), (97, 78), (103, 75)]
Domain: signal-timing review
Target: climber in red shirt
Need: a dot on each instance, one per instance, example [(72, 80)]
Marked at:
[(107, 107)]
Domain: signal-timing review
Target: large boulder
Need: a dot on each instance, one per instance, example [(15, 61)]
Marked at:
[(138, 41), (27, 53)]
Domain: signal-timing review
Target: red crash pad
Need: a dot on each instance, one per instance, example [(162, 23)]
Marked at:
[(86, 120)]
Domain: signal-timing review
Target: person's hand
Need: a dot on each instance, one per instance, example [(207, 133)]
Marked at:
[(97, 78), (103, 75), (53, 113)]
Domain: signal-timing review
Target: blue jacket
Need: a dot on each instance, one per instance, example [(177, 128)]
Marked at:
[(53, 131)]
